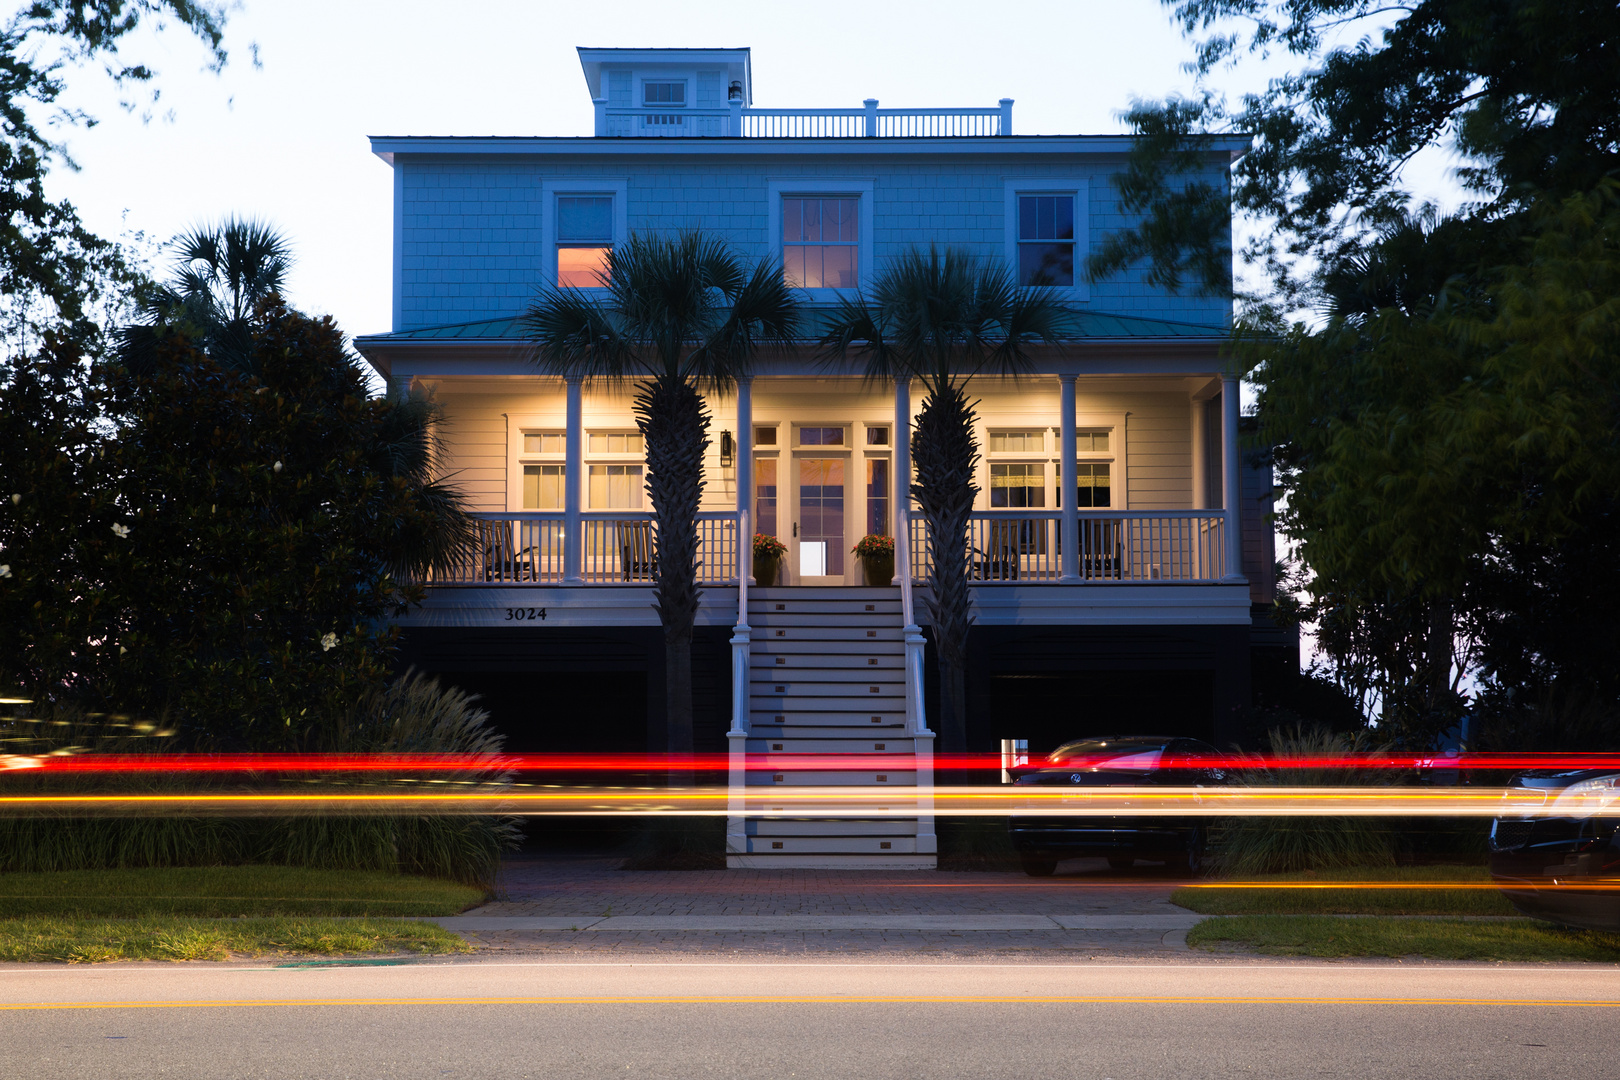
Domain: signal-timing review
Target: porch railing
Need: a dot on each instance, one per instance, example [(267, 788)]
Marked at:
[(616, 548), (1007, 547)]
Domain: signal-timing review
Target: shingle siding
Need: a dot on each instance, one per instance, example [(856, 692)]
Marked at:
[(472, 246)]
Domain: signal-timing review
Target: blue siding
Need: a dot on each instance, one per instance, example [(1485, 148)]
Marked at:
[(471, 228)]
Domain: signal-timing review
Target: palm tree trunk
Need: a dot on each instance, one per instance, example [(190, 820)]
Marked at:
[(675, 424), (944, 455)]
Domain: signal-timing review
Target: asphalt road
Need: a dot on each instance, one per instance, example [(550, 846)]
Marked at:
[(777, 1019)]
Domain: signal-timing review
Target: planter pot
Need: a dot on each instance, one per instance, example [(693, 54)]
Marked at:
[(879, 570), (765, 570)]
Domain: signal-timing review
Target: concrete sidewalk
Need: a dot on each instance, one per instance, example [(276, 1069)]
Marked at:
[(589, 906)]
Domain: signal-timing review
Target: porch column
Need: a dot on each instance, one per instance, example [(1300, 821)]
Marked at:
[(745, 479), (574, 447), (1231, 479), (1200, 454), (1067, 473)]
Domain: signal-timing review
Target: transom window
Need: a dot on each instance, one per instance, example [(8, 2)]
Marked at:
[(1016, 486), (544, 442), (765, 436), (1046, 240), (1017, 442), (820, 241), (877, 436), (584, 240), (1091, 442), (664, 93), (615, 442), (821, 436)]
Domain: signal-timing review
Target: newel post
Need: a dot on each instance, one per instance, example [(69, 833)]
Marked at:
[(871, 104)]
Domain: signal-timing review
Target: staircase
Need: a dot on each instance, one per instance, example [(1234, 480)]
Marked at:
[(827, 672)]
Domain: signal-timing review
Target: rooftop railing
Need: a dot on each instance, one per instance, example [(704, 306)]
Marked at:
[(866, 122)]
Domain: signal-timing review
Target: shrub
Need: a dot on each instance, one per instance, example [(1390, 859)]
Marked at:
[(411, 714), (1261, 845)]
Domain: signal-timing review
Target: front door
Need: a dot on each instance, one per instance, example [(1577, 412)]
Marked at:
[(819, 545)]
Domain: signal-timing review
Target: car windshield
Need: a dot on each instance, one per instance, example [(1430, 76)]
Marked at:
[(1135, 755)]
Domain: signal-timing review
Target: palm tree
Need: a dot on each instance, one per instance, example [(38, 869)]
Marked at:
[(679, 314), (942, 318), (222, 273)]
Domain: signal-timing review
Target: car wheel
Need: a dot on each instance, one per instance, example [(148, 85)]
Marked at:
[(1120, 862), (1039, 867)]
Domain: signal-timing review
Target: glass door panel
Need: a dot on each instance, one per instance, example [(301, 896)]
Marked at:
[(821, 517)]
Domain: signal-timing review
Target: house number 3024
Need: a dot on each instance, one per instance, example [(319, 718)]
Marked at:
[(523, 614)]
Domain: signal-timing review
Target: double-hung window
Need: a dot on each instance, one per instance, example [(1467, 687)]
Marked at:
[(1094, 477), (1046, 240), (543, 470), (1046, 234), (615, 485), (584, 240), (582, 219), (821, 241)]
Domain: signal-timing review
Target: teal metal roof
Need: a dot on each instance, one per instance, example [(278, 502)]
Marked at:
[(1092, 324)]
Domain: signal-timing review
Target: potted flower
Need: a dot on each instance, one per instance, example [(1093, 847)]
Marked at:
[(768, 552), (877, 559)]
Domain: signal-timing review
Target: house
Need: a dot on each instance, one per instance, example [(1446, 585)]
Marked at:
[(1130, 597)]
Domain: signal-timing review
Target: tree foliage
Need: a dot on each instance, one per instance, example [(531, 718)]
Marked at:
[(56, 275), (1526, 91), (227, 545)]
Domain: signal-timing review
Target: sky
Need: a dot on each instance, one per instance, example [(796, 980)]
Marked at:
[(286, 141)]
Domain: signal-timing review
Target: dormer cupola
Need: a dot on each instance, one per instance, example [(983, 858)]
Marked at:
[(667, 92)]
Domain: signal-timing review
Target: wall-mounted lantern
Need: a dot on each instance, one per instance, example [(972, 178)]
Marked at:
[(728, 450), (734, 92)]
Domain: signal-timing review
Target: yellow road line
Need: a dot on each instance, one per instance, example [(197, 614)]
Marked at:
[(825, 999)]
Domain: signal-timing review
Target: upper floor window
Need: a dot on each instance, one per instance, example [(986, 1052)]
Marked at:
[(821, 241), (664, 93), (1046, 240), (584, 240)]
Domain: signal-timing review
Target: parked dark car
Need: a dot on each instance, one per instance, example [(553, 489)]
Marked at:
[(1116, 761), (1564, 867)]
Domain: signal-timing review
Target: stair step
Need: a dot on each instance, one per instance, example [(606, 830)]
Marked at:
[(763, 721), (834, 845), (800, 745), (831, 827), (820, 660), (779, 861), (829, 633), (896, 778)]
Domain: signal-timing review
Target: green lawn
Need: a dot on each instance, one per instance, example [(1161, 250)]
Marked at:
[(1445, 939), (228, 892), (1389, 890), (168, 938)]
